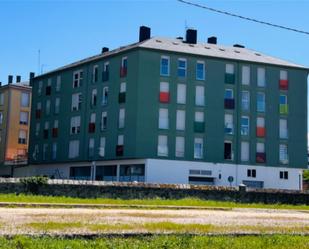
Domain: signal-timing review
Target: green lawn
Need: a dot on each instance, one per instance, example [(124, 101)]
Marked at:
[(152, 202), (157, 242)]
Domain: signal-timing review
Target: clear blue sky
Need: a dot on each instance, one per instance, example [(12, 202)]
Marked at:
[(66, 31)]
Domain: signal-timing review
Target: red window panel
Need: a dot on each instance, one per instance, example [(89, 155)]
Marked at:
[(119, 150), (123, 71), (260, 131), (164, 97), (38, 114), (55, 132), (91, 127), (284, 84), (260, 157)]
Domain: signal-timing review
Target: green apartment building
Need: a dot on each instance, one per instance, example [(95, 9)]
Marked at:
[(172, 111)]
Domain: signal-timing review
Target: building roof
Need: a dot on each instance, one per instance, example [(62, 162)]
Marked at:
[(202, 49), (22, 85)]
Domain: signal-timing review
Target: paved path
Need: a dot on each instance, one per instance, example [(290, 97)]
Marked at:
[(16, 220)]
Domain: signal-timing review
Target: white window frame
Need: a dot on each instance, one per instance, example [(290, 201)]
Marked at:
[(162, 146), (163, 118), (180, 120), (181, 93), (199, 95), (168, 65), (180, 147), (196, 71), (245, 75), (198, 151)]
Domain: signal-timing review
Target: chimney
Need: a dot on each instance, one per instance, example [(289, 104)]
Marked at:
[(0, 83), (212, 40), (179, 38), (238, 46), (10, 79), (144, 33), (31, 76), (18, 79), (104, 50), (191, 36)]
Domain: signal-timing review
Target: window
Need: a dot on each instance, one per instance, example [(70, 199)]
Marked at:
[(73, 149), (198, 148), (45, 149), (104, 121), (1, 99), (245, 79), (199, 117), (260, 153), (105, 75), (93, 98), (283, 129), (40, 87), (260, 102), (91, 127), (91, 147), (162, 146), (283, 82), (77, 78), (251, 173), (180, 147), (180, 120), (182, 68), (22, 137), (121, 118), (124, 63), (244, 151), (120, 140), (119, 147), (95, 74), (260, 148), (260, 127), (48, 87), (47, 107), (228, 153), (102, 147), (45, 131), (122, 93), (283, 154), (165, 66), (25, 99), (75, 125), (55, 129), (164, 92), (245, 100), (23, 118), (76, 101), (57, 105), (228, 124), (283, 107), (181, 93), (105, 96), (37, 129), (228, 94), (38, 110), (244, 126), (229, 74), (54, 151), (58, 83), (200, 70), (261, 78), (163, 118), (1, 118), (284, 175), (199, 96)]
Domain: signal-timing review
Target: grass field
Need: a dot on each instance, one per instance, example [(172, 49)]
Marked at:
[(151, 202), (157, 242)]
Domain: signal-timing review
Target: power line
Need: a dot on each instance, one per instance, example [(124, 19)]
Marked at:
[(243, 17)]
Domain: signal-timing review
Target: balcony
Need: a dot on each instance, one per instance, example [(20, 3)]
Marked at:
[(105, 76), (260, 131), (260, 157), (123, 72), (199, 127), (38, 114), (283, 84), (229, 78), (164, 97), (91, 127), (283, 108), (229, 104), (119, 150), (122, 97), (55, 132)]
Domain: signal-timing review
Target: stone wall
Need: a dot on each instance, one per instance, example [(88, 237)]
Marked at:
[(89, 189)]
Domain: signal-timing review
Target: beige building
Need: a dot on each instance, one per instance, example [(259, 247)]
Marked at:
[(15, 106)]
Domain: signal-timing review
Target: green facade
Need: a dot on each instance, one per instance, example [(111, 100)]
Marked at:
[(141, 103)]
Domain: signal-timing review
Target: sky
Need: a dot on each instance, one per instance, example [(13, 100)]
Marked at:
[(66, 31)]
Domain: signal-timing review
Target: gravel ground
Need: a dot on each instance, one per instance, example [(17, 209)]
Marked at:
[(15, 220)]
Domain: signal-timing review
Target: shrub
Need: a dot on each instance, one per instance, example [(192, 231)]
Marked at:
[(306, 175), (32, 184)]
